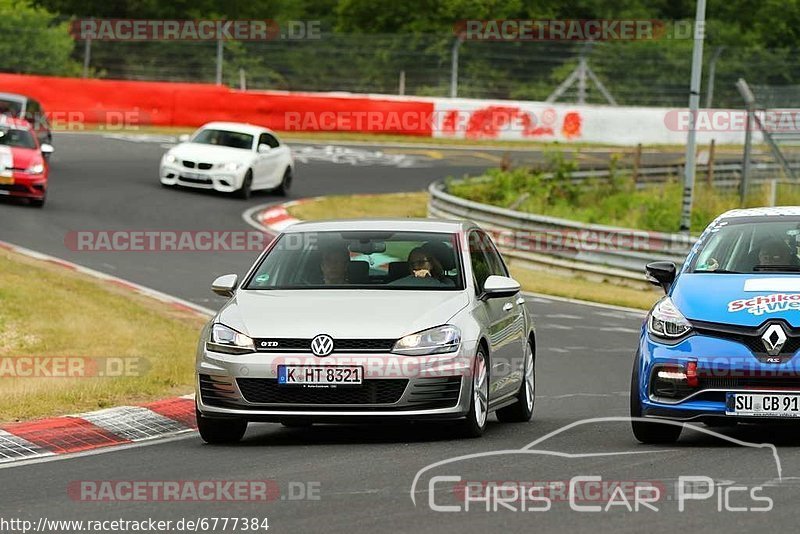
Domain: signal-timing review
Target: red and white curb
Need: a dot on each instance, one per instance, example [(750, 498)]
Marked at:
[(276, 218), (122, 425)]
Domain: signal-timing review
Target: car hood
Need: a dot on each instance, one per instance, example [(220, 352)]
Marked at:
[(210, 153), (738, 299), (379, 314), (18, 158)]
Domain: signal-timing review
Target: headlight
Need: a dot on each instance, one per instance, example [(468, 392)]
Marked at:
[(36, 168), (230, 166), (169, 158), (229, 341), (666, 321), (434, 341)]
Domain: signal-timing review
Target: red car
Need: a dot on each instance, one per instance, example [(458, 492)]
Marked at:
[(23, 167)]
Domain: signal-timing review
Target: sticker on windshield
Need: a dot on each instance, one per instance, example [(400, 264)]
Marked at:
[(775, 303)]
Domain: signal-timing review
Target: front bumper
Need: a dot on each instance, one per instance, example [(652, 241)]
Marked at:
[(394, 387), (723, 366), (213, 179), (24, 185)]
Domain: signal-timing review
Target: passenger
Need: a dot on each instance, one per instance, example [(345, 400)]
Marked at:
[(335, 260)]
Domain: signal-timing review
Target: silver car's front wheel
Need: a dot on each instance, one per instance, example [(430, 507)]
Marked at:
[(475, 422)]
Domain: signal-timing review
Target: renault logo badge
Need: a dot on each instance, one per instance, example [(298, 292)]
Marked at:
[(773, 339)]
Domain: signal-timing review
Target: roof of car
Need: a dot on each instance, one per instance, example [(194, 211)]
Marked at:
[(13, 96), (786, 211), (397, 225), (242, 127)]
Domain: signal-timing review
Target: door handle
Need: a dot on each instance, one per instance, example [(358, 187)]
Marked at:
[(520, 301), (507, 306)]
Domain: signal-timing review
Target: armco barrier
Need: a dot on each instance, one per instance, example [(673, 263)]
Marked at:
[(538, 241)]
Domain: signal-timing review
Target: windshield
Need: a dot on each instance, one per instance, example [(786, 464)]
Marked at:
[(751, 245), (361, 260), (224, 138), (17, 138), (12, 108)]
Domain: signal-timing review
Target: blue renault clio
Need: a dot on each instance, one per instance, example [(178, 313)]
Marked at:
[(720, 347)]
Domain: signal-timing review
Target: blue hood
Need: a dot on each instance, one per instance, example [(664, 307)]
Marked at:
[(722, 298)]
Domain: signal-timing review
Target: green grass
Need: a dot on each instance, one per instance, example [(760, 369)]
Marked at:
[(47, 311), (616, 202), (358, 206)]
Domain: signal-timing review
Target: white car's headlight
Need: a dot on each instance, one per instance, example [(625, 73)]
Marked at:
[(231, 166), (36, 168), (169, 158), (437, 340), (666, 321), (228, 340)]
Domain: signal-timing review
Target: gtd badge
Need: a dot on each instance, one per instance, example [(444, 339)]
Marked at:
[(322, 345), (268, 344)]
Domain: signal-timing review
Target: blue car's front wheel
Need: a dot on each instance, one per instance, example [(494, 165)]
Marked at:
[(645, 431)]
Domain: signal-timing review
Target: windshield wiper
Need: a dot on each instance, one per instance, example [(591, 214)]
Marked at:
[(719, 271), (790, 268)]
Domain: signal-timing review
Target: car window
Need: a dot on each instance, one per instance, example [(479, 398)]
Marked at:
[(11, 108), (750, 245), (496, 264), (16, 138), (481, 268), (361, 260), (211, 136), (270, 140)]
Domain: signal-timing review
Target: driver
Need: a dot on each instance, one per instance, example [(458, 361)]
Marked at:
[(774, 252)]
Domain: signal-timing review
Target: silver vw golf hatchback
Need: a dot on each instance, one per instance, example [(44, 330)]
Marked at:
[(366, 320)]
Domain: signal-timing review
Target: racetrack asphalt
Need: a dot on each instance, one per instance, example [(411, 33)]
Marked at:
[(363, 475)]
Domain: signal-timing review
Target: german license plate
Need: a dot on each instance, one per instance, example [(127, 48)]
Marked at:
[(762, 405), (192, 175), (319, 375)]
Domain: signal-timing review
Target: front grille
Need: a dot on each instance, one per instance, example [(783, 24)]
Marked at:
[(267, 391), (188, 164), (203, 166), (206, 181), (339, 345), (14, 187), (436, 392), (752, 382), (750, 337)]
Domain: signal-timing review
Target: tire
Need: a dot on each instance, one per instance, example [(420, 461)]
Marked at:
[(286, 183), (247, 187), (522, 410), (220, 431), (474, 424), (644, 431), (37, 202)]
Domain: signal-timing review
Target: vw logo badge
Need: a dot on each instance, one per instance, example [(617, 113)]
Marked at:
[(322, 345)]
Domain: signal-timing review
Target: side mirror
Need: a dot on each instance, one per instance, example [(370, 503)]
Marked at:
[(47, 149), (183, 138), (263, 149), (500, 286), (661, 273), (225, 285)]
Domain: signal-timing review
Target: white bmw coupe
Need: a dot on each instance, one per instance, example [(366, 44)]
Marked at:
[(229, 157)]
